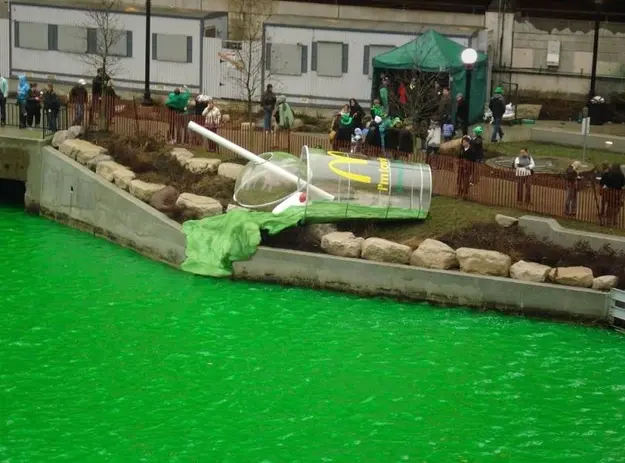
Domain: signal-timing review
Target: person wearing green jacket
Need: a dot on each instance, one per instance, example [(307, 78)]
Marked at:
[(177, 102), (284, 114), (377, 109), (384, 94)]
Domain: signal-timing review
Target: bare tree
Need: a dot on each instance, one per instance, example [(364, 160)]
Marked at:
[(104, 18), (248, 18)]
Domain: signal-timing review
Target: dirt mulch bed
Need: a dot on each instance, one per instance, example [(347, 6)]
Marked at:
[(149, 158), (520, 246)]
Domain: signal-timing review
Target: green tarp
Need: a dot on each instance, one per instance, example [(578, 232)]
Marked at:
[(214, 243), (433, 52)]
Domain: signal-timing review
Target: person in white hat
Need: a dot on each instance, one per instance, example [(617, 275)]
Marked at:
[(78, 97)]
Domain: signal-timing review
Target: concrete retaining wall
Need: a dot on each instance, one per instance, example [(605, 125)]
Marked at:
[(70, 193), (593, 141), (15, 156), (551, 230), (446, 287)]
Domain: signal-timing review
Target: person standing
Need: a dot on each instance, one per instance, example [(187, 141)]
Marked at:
[(284, 114), (444, 108), (177, 104), (109, 97), (466, 165), (212, 119), (384, 95), (357, 113), (78, 97), (462, 113), (572, 179), (268, 102), (23, 87), (51, 107), (33, 106), (4, 94), (612, 183), (497, 107), (524, 168), (99, 83)]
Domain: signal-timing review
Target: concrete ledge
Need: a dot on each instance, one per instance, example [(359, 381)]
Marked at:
[(550, 229), (70, 193), (439, 286), (561, 137)]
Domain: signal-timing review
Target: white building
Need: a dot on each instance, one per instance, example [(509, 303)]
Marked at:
[(316, 62), (57, 43)]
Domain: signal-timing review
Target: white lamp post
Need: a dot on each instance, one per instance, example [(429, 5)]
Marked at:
[(468, 57)]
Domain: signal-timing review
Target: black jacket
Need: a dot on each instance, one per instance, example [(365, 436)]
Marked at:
[(78, 94), (497, 106), (462, 112), (51, 101), (477, 144), (99, 84), (268, 101), (468, 154), (33, 100), (613, 180)]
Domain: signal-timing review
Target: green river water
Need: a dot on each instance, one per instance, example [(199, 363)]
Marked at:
[(106, 356)]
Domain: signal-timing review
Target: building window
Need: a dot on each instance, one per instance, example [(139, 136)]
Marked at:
[(110, 43), (71, 39), (31, 35), (286, 59), (172, 48), (329, 59), (210, 32), (370, 52)]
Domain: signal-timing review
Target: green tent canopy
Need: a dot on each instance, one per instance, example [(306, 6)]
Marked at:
[(433, 52)]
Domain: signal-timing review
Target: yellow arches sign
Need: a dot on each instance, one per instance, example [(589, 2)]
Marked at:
[(341, 160)]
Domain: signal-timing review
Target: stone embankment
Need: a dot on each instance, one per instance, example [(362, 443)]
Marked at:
[(162, 197), (437, 255)]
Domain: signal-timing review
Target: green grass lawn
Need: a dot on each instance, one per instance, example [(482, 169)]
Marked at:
[(451, 214), (595, 157)]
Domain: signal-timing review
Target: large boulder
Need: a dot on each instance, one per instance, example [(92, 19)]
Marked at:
[(144, 190), (80, 150), (75, 131), (605, 283), (165, 200), (316, 231), (106, 169), (182, 155), (483, 262), (59, 137), (434, 254), (344, 244), (123, 177), (529, 271), (202, 165), (92, 164), (297, 124), (572, 276), (230, 170), (199, 206), (381, 250), (506, 221)]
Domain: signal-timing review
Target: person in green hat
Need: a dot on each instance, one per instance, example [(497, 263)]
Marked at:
[(497, 107), (477, 143)]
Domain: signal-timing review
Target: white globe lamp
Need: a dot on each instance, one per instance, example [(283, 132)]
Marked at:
[(469, 56)]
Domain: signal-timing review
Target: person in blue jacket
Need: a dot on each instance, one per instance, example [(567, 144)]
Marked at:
[(23, 88)]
